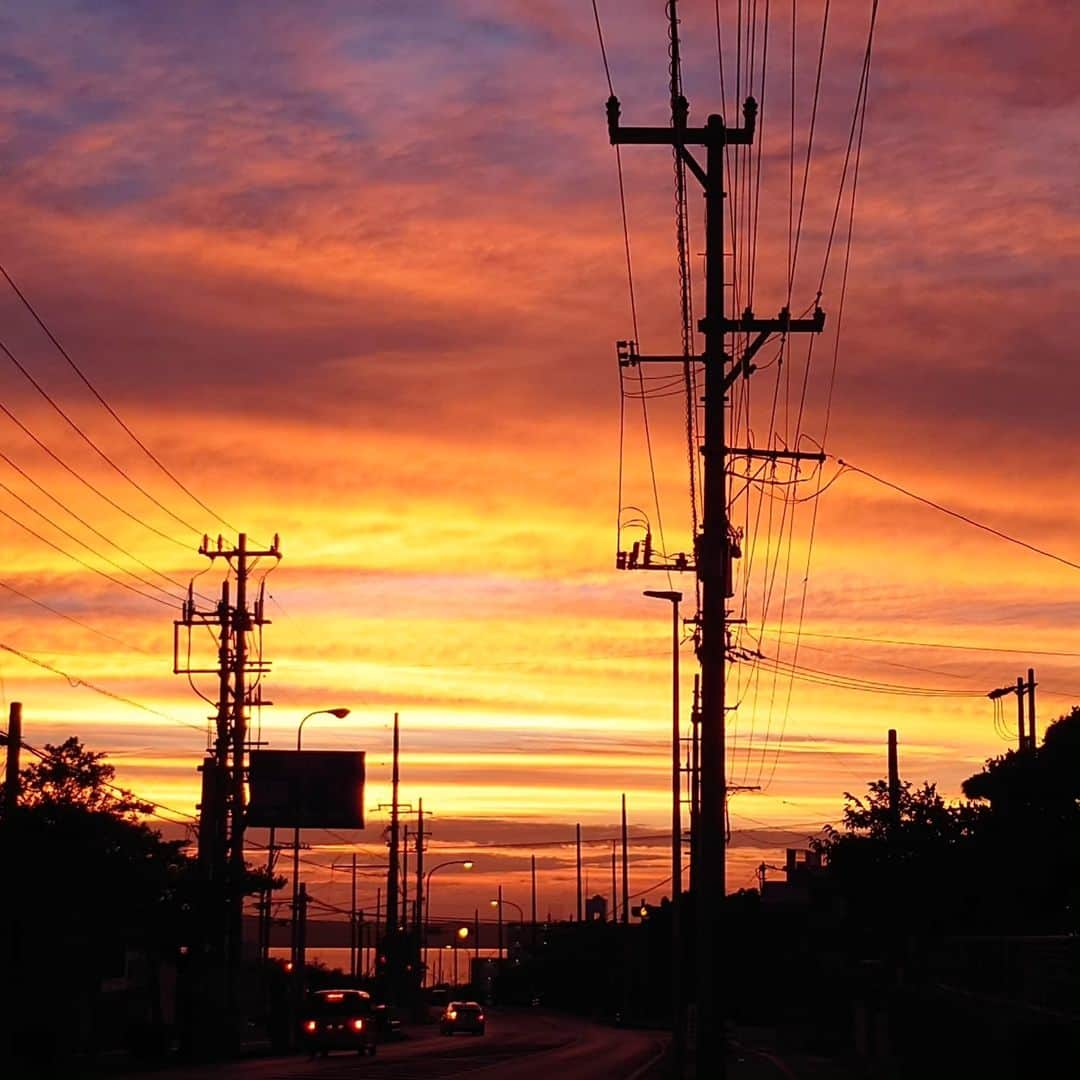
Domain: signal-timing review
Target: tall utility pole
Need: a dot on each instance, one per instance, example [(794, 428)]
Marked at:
[(625, 868), (221, 830), (579, 911), (715, 545), (392, 910)]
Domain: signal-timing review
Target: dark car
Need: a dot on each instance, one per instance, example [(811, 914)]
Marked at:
[(338, 1020), (462, 1016)]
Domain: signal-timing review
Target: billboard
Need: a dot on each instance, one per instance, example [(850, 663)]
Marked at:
[(307, 789)]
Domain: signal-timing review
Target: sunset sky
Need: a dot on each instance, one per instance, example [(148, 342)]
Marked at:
[(354, 272)]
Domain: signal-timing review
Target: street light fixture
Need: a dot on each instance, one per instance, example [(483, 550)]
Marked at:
[(674, 598), (468, 864), (521, 916), (297, 961)]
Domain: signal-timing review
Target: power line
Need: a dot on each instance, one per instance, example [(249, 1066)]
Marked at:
[(43, 756), (75, 682), (82, 543), (926, 644), (86, 483), (86, 524), (959, 516), (91, 443), (72, 619), (82, 562), (111, 411)]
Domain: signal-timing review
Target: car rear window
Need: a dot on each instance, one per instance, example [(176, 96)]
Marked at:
[(340, 1004)]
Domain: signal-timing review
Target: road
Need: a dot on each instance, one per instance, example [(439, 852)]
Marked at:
[(518, 1045)]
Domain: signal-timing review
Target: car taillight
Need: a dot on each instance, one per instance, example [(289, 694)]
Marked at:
[(481, 1018), (358, 1025), (311, 1026), (451, 1014)]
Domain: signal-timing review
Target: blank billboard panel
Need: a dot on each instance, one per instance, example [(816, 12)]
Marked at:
[(307, 789)]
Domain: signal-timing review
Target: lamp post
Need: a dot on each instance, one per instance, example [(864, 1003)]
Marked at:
[(499, 904), (297, 960), (674, 599), (468, 864), (461, 936)]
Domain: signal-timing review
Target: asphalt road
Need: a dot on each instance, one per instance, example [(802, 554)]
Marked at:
[(518, 1045)]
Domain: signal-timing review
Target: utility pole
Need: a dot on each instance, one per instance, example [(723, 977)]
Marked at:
[(715, 545), (894, 780), (1031, 708), (353, 928), (532, 874), (11, 766), (579, 913), (405, 920), (625, 868), (393, 870), (695, 786), (500, 907), (1025, 726), (265, 918), (418, 914), (221, 826), (614, 887)]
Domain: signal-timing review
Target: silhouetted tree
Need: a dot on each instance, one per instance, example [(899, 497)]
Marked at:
[(1029, 838)]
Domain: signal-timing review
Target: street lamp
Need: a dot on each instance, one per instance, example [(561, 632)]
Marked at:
[(298, 964), (499, 904), (674, 599), (467, 863), (461, 936)]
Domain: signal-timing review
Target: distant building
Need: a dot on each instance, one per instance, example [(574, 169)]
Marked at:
[(596, 909)]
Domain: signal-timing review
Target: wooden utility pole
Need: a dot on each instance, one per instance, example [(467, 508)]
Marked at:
[(1025, 727), (1031, 708), (894, 780), (11, 766), (715, 545)]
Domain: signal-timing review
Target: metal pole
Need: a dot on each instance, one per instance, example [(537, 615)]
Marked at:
[(352, 923), (625, 868), (500, 906), (579, 873)]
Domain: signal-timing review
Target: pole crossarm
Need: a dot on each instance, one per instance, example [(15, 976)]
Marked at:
[(777, 455), (714, 133), (749, 323)]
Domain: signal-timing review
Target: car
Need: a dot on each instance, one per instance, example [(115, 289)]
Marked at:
[(338, 1020), (462, 1016)]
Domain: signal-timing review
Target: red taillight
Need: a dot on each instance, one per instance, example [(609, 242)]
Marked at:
[(358, 1025), (451, 1014), (311, 1026), (481, 1018)]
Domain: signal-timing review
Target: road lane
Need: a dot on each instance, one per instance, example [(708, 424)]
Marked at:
[(518, 1045)]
